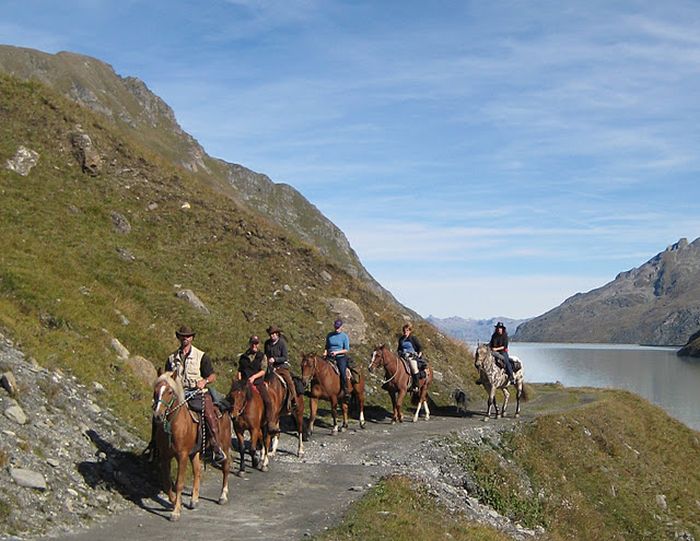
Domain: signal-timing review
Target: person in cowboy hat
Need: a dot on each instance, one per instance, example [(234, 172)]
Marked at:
[(337, 348), (252, 366), (499, 347), (195, 370), (278, 358)]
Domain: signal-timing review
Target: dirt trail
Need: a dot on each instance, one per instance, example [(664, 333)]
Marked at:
[(296, 497)]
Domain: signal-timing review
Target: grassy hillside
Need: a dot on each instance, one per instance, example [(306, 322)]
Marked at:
[(66, 275), (616, 468)]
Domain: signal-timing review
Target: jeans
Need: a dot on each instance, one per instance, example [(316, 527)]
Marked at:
[(342, 362), (503, 355)]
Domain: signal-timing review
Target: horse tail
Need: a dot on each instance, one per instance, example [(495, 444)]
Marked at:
[(525, 395), (415, 398)]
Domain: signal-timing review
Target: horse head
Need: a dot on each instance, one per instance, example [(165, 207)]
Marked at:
[(167, 392), (239, 395), (377, 357), (482, 356), (308, 367)]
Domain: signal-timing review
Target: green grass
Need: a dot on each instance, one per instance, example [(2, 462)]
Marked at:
[(594, 472), (398, 510)]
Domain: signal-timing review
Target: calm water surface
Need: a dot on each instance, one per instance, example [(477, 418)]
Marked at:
[(654, 373)]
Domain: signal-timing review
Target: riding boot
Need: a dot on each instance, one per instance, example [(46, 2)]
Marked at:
[(415, 383), (272, 424), (217, 454)]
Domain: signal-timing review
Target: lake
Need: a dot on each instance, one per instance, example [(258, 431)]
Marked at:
[(654, 373)]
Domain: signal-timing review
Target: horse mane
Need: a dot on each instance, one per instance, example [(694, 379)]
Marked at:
[(173, 383), (241, 385)]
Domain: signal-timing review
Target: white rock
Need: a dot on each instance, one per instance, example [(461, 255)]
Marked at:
[(16, 414), (28, 478)]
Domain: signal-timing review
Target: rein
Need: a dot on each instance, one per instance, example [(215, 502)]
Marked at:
[(167, 424), (386, 371)]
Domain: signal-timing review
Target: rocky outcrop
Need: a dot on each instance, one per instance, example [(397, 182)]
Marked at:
[(63, 457), (23, 161), (85, 152), (692, 347), (657, 303)]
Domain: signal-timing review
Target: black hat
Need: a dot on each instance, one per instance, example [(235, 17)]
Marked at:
[(184, 331), (500, 325), (338, 323)]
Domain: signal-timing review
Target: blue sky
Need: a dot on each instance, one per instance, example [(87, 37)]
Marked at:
[(483, 158)]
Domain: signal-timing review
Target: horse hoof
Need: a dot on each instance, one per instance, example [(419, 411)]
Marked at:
[(363, 424), (393, 421), (174, 517), (498, 416), (223, 501), (517, 415), (194, 505), (427, 417), (486, 419), (240, 473)]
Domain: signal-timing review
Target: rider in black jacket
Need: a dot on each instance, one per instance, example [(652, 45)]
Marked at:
[(499, 347)]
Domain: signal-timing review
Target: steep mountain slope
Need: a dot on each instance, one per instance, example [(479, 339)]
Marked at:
[(656, 303), (131, 106), (103, 238)]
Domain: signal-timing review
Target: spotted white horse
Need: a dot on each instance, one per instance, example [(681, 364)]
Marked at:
[(493, 377)]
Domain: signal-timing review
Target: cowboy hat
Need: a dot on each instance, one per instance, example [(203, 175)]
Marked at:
[(273, 328), (184, 331)]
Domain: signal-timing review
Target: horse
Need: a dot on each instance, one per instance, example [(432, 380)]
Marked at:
[(398, 381), (278, 397), (324, 382), (248, 413), (493, 377), (176, 437)]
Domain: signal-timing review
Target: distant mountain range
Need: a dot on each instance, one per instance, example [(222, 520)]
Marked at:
[(657, 303), (472, 330)]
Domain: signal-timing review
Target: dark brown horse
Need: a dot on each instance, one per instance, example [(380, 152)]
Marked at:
[(176, 436), (278, 398), (493, 377), (248, 413), (398, 381), (318, 373)]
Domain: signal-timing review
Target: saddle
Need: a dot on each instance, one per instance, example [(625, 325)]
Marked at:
[(350, 371), (422, 365), (515, 361)]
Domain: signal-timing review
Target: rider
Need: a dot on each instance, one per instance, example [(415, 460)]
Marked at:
[(195, 370), (499, 347), (410, 349), (252, 366), (337, 347), (277, 357)]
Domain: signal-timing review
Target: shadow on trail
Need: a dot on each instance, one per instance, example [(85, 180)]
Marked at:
[(127, 473)]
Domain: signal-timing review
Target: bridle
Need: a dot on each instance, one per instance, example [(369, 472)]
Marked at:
[(383, 363)]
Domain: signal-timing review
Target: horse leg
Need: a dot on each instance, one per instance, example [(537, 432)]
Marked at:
[(179, 485), (424, 397), (506, 396), (267, 443), (334, 413), (225, 433), (196, 480), (255, 441), (273, 445), (166, 480), (394, 416), (344, 407), (299, 418), (241, 451), (490, 402), (399, 403), (313, 408), (418, 407), (518, 394), (359, 393)]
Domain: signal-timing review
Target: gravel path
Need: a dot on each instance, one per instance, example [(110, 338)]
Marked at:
[(297, 498)]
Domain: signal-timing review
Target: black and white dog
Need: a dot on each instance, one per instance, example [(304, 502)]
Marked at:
[(460, 398)]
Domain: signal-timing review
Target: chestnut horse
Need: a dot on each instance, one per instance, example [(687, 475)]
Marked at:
[(398, 381), (248, 413), (176, 437), (493, 377), (278, 397), (324, 381)]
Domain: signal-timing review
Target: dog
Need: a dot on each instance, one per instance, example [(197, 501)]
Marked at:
[(460, 398)]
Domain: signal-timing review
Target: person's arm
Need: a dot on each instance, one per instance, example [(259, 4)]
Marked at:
[(283, 356), (206, 369), (263, 368)]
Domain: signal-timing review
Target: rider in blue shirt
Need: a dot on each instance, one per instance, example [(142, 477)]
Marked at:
[(337, 347), (410, 349)]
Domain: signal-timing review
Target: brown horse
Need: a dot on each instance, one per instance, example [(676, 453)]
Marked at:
[(398, 381), (278, 397), (176, 437), (318, 373), (248, 413), (493, 377)]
